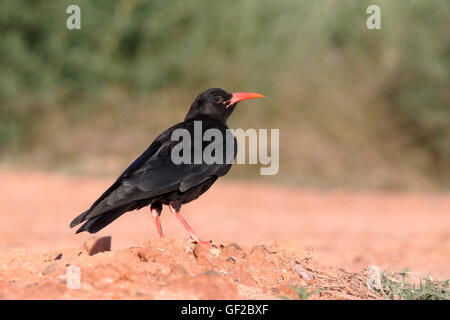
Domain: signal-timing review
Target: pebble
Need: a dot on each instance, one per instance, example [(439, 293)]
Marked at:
[(51, 268), (96, 245)]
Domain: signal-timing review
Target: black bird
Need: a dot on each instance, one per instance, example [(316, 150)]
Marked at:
[(155, 179)]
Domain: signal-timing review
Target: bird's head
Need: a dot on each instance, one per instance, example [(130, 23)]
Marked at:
[(217, 104)]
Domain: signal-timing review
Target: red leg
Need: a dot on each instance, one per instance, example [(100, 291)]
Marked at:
[(155, 215), (192, 233)]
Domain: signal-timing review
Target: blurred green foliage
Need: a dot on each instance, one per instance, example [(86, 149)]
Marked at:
[(399, 286), (355, 107)]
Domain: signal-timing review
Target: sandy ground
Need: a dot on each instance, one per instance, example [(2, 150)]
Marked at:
[(274, 226)]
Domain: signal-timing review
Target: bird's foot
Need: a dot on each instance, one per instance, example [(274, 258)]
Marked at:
[(204, 242), (198, 240)]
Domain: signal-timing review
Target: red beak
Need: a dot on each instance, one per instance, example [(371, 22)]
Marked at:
[(239, 96)]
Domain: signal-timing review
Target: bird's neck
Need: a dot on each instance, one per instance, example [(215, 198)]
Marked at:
[(205, 117)]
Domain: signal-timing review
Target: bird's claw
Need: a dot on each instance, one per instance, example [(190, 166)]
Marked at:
[(199, 241)]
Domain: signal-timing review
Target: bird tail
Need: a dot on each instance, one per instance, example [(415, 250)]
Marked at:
[(98, 222), (79, 219)]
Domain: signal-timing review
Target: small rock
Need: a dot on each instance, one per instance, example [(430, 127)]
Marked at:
[(203, 255), (301, 271), (231, 259), (215, 251), (59, 256), (259, 251), (51, 268), (234, 250), (212, 273), (96, 245), (236, 246)]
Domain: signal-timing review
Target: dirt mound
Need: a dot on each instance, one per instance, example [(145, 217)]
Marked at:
[(337, 228), (177, 269)]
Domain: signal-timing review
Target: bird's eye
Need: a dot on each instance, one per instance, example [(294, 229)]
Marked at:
[(218, 99)]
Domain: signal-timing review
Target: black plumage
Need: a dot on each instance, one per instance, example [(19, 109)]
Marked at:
[(154, 179)]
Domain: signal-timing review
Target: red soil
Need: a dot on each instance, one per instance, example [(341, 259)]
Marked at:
[(348, 230)]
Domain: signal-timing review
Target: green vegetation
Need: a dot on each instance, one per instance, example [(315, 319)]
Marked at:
[(303, 293), (356, 108), (396, 286)]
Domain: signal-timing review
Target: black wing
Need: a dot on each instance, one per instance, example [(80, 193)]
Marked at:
[(150, 175)]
